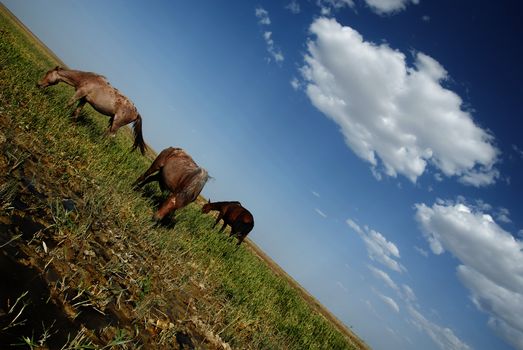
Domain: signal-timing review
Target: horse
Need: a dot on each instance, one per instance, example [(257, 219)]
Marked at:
[(96, 90), (233, 214), (177, 172)]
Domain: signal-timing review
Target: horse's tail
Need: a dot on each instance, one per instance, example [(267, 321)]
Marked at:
[(193, 184), (138, 137)]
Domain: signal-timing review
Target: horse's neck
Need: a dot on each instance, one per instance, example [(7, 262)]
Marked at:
[(70, 77), (222, 205)]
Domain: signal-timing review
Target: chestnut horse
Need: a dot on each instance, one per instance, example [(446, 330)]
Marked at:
[(177, 172), (96, 90), (234, 215)]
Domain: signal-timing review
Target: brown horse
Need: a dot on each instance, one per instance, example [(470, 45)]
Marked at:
[(96, 90), (234, 215), (178, 173)]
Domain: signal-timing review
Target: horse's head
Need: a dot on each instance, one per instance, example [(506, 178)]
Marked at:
[(206, 207), (50, 78)]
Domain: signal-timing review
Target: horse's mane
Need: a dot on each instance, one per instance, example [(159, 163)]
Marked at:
[(84, 75)]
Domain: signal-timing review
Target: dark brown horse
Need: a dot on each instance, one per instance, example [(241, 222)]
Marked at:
[(96, 90), (177, 172), (233, 214)]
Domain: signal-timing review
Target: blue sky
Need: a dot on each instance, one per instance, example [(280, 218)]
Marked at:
[(377, 142)]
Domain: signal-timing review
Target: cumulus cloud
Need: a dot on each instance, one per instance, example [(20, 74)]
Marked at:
[(397, 117), (442, 336), (504, 305), (263, 16), (264, 20), (378, 248), (491, 261), (327, 6), (503, 215), (383, 7)]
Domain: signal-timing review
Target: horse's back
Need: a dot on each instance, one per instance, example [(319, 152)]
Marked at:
[(240, 214), (180, 172)]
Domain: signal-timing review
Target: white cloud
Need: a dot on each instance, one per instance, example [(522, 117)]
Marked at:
[(421, 251), (399, 118), (327, 6), (389, 301), (378, 248), (492, 261), (320, 213), (275, 53), (342, 286), (425, 18), (295, 83), (294, 7), (381, 7), (263, 16), (408, 294), (384, 277), (264, 20), (389, 6), (518, 150), (502, 215), (443, 337), (504, 306)]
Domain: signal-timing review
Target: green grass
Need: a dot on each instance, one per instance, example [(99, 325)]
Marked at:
[(238, 297)]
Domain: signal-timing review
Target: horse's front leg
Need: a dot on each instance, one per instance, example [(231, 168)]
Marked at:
[(79, 107), (78, 94), (220, 215)]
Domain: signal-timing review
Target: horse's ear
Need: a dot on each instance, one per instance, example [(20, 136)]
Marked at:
[(208, 201)]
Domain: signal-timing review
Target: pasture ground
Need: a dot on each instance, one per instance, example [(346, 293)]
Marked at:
[(83, 267)]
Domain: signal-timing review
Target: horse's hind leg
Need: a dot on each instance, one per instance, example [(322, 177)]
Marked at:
[(157, 165), (113, 125), (151, 178), (169, 205), (241, 237), (148, 176)]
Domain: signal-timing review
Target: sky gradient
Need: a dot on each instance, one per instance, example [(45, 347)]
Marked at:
[(377, 142)]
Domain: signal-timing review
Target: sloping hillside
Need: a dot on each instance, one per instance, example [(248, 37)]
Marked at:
[(83, 266)]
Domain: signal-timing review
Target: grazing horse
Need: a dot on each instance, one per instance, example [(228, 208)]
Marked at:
[(96, 90), (178, 173), (234, 215)]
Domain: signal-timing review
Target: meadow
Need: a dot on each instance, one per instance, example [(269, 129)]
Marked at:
[(83, 265)]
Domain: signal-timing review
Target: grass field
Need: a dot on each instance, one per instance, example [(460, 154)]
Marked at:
[(81, 263)]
